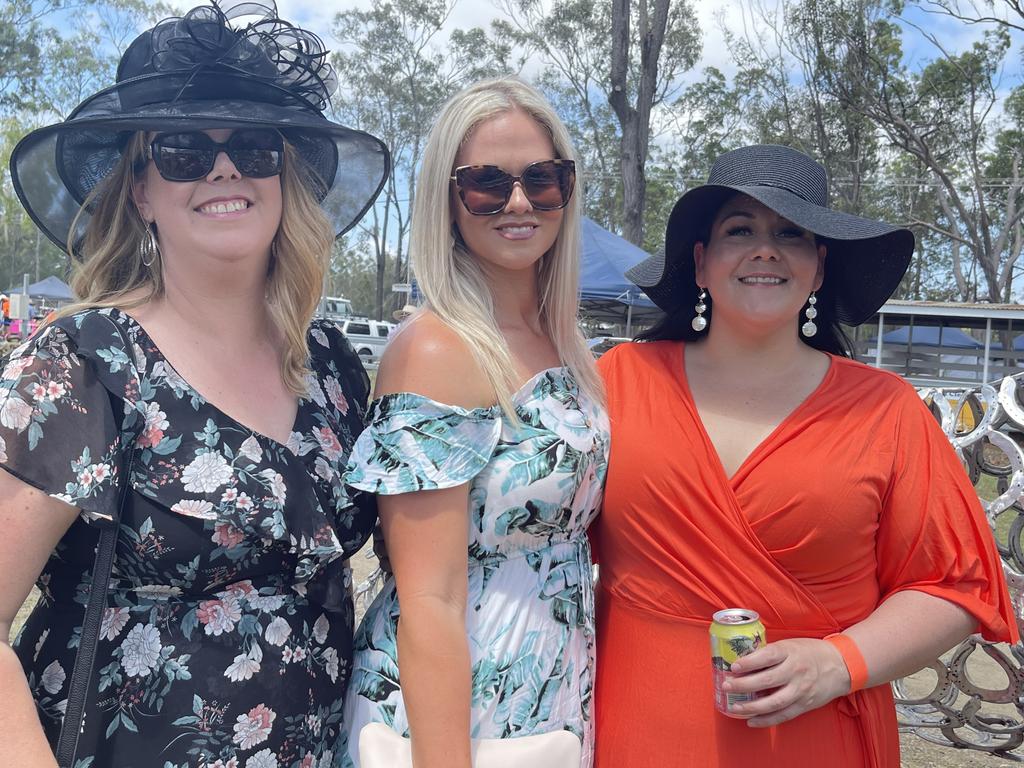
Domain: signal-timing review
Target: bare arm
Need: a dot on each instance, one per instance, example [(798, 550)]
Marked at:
[(426, 534), (32, 524), (809, 672)]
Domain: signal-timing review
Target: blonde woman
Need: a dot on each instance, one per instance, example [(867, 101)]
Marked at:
[(206, 189), (486, 445)]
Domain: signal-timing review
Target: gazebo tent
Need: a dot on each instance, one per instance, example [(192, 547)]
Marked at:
[(922, 337), (50, 288), (605, 293), (932, 336)]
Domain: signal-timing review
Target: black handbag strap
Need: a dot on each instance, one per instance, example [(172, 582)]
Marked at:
[(85, 659)]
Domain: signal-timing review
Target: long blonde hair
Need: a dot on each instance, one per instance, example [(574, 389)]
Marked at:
[(107, 265), (451, 279)]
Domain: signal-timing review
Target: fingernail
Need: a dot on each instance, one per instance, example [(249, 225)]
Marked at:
[(726, 686), (736, 667)]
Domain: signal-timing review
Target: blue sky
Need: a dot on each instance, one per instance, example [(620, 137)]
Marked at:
[(734, 14), (951, 33)]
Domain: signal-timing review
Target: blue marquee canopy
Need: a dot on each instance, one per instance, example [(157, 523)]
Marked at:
[(51, 287), (604, 260), (932, 336)]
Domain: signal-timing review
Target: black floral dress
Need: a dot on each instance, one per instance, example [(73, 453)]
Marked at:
[(227, 638)]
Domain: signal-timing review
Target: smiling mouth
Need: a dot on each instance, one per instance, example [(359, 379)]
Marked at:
[(227, 206), (762, 280)]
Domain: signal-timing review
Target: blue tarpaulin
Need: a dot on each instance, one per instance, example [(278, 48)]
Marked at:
[(52, 288), (605, 292), (604, 260), (932, 336)]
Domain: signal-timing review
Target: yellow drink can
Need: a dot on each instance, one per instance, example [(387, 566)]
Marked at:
[(734, 632)]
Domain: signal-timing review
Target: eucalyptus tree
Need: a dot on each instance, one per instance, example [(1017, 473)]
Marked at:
[(617, 90), (947, 117), (55, 53), (397, 66)]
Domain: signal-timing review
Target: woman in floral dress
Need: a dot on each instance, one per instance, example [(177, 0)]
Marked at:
[(226, 636), (488, 432)]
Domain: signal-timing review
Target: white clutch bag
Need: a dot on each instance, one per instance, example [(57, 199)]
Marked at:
[(381, 747)]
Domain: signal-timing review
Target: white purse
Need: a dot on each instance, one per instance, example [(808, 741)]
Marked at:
[(381, 747)]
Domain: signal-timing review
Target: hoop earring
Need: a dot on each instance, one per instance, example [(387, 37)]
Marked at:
[(149, 249), (808, 329), (699, 323)]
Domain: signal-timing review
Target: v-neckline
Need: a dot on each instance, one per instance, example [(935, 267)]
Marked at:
[(241, 425), (730, 480)]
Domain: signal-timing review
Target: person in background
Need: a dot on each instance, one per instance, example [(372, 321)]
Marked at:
[(486, 446), (200, 196), (755, 465)]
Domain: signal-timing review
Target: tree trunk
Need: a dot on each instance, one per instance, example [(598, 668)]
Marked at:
[(635, 120)]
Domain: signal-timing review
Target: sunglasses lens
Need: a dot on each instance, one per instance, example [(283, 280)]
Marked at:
[(256, 153), (548, 185), (189, 156), (485, 188), (184, 156)]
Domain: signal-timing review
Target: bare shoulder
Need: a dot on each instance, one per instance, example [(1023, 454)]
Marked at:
[(429, 358)]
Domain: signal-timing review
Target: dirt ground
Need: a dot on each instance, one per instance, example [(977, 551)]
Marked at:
[(916, 752)]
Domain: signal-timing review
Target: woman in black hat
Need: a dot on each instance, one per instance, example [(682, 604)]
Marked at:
[(755, 465), (184, 414)]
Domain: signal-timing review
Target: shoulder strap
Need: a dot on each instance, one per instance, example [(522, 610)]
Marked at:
[(78, 689)]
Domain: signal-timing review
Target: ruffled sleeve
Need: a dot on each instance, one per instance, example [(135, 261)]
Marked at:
[(62, 398), (413, 443), (933, 536)]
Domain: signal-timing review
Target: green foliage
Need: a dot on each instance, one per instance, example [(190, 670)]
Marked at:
[(571, 38), (45, 74), (396, 70)]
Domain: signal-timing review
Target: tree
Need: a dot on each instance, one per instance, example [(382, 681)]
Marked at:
[(616, 93), (1007, 13), (46, 74), (396, 72), (944, 117)]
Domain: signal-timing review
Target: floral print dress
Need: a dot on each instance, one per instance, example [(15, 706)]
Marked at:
[(226, 640), (534, 486)]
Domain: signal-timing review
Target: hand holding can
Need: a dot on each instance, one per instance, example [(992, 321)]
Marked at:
[(735, 632)]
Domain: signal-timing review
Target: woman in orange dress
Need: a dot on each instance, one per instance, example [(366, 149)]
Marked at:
[(754, 464)]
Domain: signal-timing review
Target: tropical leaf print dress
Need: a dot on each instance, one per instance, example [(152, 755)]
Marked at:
[(534, 489), (226, 639)]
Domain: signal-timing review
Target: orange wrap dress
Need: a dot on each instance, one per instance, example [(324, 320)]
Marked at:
[(855, 496)]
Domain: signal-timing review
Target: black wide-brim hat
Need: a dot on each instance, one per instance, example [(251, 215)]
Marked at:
[(865, 261), (198, 72)]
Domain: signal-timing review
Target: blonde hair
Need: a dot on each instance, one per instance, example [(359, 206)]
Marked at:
[(108, 265), (451, 279)]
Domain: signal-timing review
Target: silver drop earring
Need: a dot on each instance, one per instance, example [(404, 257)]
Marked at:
[(808, 329), (149, 250), (699, 323)]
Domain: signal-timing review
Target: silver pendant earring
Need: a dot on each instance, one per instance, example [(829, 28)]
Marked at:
[(149, 250), (699, 323), (808, 329)]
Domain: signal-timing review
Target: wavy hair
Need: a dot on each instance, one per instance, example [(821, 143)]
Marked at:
[(451, 278), (107, 265)]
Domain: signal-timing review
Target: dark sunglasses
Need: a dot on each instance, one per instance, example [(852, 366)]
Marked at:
[(486, 189), (191, 155)]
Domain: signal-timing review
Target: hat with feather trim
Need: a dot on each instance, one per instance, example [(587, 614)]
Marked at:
[(198, 72)]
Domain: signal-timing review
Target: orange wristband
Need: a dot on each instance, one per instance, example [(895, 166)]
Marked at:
[(852, 658)]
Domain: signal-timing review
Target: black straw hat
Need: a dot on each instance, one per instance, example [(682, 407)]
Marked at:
[(866, 259), (198, 72)]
